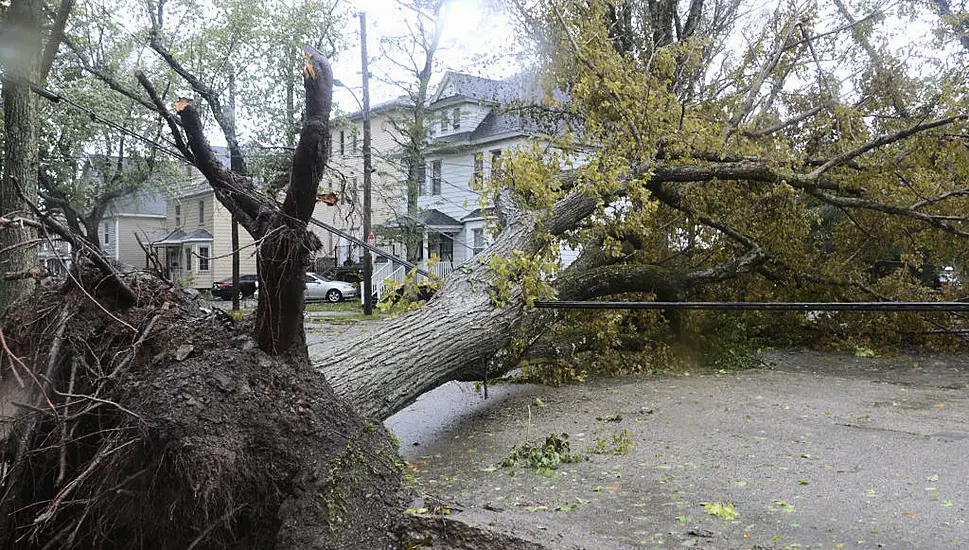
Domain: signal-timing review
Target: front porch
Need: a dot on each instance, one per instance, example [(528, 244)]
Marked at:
[(186, 257)]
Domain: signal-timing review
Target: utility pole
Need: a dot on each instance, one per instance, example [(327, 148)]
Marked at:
[(367, 172), (235, 163)]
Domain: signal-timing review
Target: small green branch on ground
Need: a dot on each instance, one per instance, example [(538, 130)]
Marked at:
[(545, 457)]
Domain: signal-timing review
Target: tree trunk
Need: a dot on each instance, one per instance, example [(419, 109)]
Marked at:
[(454, 337), (21, 64)]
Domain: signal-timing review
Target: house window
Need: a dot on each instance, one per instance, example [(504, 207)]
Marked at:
[(201, 212), (203, 258), (188, 259), (343, 142), (456, 118), (478, 175), (444, 122), (495, 161), (178, 215), (436, 177), (107, 235), (422, 178), (354, 143), (477, 241)]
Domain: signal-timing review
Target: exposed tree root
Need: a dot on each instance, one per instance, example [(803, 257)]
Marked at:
[(180, 433)]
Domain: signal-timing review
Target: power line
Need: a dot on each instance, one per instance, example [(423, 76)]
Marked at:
[(763, 306), (55, 97)]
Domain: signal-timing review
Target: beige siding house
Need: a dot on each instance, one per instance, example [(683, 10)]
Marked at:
[(195, 247), (139, 216), (344, 178)]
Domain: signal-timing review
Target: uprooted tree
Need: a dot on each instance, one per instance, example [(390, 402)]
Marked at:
[(135, 425), (174, 428)]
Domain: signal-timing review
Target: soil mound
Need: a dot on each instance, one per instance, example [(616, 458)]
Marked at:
[(162, 425)]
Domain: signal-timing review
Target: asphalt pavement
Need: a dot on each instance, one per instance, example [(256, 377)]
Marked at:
[(817, 451)]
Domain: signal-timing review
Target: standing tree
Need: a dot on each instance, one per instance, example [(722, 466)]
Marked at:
[(26, 61), (413, 55)]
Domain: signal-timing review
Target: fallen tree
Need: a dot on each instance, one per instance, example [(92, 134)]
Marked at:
[(143, 420)]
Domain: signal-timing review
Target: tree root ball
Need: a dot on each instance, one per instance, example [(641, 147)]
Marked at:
[(163, 426)]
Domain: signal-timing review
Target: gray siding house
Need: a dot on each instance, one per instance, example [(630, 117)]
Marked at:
[(142, 214)]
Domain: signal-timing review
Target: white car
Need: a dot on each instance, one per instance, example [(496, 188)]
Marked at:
[(949, 278), (319, 288)]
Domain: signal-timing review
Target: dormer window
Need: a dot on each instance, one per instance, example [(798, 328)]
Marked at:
[(456, 118), (444, 122)]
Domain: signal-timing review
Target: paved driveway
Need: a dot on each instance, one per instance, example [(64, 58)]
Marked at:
[(819, 451)]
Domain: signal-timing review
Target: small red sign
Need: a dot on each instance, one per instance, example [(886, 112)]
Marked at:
[(371, 240)]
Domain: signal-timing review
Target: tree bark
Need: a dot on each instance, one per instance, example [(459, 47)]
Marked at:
[(21, 66), (455, 336)]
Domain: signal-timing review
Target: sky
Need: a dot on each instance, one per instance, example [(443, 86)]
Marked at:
[(472, 29)]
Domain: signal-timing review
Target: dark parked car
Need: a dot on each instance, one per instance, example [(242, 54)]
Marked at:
[(247, 287), (352, 273)]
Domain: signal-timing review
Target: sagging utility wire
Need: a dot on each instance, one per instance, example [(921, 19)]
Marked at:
[(55, 97)]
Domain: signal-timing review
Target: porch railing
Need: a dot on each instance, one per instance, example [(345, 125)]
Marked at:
[(387, 271), (392, 271), (442, 269)]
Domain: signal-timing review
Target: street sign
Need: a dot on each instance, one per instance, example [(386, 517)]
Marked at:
[(371, 240)]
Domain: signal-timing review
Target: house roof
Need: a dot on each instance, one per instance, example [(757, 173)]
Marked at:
[(151, 203), (434, 219), (389, 105), (179, 236), (439, 220), (507, 95), (199, 189), (479, 213), (523, 87)]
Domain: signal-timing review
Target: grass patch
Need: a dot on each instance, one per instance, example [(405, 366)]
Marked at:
[(324, 307)]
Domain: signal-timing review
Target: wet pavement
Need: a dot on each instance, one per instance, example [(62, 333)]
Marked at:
[(819, 451), (438, 413)]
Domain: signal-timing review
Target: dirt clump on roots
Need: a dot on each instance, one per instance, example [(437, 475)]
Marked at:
[(162, 425)]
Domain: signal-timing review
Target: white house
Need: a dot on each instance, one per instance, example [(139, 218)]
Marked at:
[(475, 122), (344, 178)]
